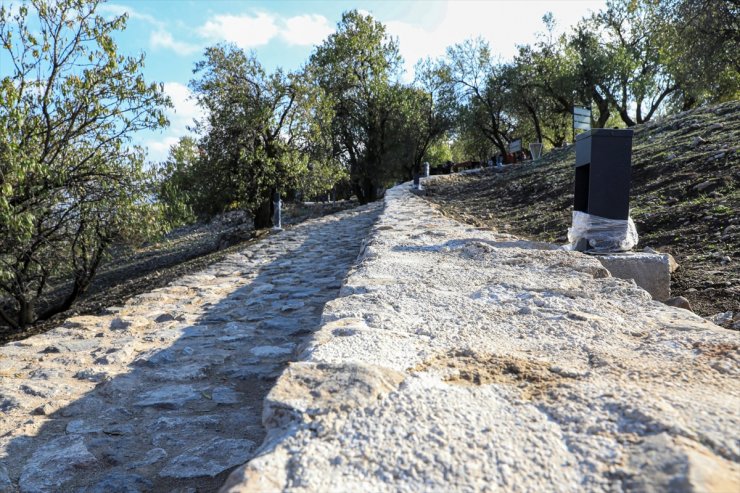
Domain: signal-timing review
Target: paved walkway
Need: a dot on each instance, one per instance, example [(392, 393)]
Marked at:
[(166, 392)]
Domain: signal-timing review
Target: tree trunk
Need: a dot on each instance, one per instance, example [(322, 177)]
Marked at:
[(25, 313), (603, 106), (689, 102), (365, 190), (501, 147), (624, 115), (621, 108), (371, 191), (79, 286), (536, 122), (357, 189), (263, 214)]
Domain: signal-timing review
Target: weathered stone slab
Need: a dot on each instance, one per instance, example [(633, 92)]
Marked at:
[(80, 426), (271, 351), (209, 459), (650, 271), (121, 482), (225, 395), (53, 464), (168, 397), (310, 389)]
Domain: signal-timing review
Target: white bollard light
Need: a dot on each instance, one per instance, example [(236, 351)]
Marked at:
[(277, 219)]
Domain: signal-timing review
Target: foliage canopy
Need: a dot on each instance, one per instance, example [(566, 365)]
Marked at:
[(70, 185)]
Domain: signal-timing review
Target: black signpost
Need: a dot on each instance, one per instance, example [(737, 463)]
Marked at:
[(603, 169)]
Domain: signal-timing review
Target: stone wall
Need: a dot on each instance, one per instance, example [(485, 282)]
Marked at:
[(458, 359)]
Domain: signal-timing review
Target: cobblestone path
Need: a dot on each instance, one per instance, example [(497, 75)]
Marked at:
[(165, 393)]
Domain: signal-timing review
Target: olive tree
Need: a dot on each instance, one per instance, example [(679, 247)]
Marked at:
[(258, 136), (181, 184), (358, 68), (428, 109), (70, 183), (701, 46), (482, 91)]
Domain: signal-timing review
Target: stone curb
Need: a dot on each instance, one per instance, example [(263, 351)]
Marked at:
[(459, 359)]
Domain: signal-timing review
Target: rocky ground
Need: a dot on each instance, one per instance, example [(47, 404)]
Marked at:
[(129, 272), (165, 392), (685, 200), (457, 359)]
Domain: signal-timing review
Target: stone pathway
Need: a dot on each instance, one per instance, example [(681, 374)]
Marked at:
[(166, 392)]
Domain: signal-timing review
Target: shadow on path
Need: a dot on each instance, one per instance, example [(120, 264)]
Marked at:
[(188, 410)]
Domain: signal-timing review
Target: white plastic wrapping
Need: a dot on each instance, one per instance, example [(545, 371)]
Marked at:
[(601, 235)]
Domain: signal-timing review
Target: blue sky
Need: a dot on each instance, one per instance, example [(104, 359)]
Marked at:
[(173, 34)]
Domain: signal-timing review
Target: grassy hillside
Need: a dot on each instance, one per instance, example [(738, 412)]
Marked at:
[(685, 199)]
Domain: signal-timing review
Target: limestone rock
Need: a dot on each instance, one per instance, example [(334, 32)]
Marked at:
[(209, 459), (672, 264), (151, 457), (53, 464), (650, 271), (120, 483), (664, 463), (225, 395), (265, 474), (469, 360), (679, 302), (168, 397), (726, 319), (708, 472), (129, 323), (8, 403), (313, 389), (80, 426), (271, 351)]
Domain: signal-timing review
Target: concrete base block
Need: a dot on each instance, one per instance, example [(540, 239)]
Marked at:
[(650, 271)]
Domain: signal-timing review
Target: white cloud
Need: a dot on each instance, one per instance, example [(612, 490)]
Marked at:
[(185, 108), (114, 9), (305, 30), (416, 43), (245, 31), (159, 149), (249, 31), (504, 24), (181, 116), (161, 38)]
